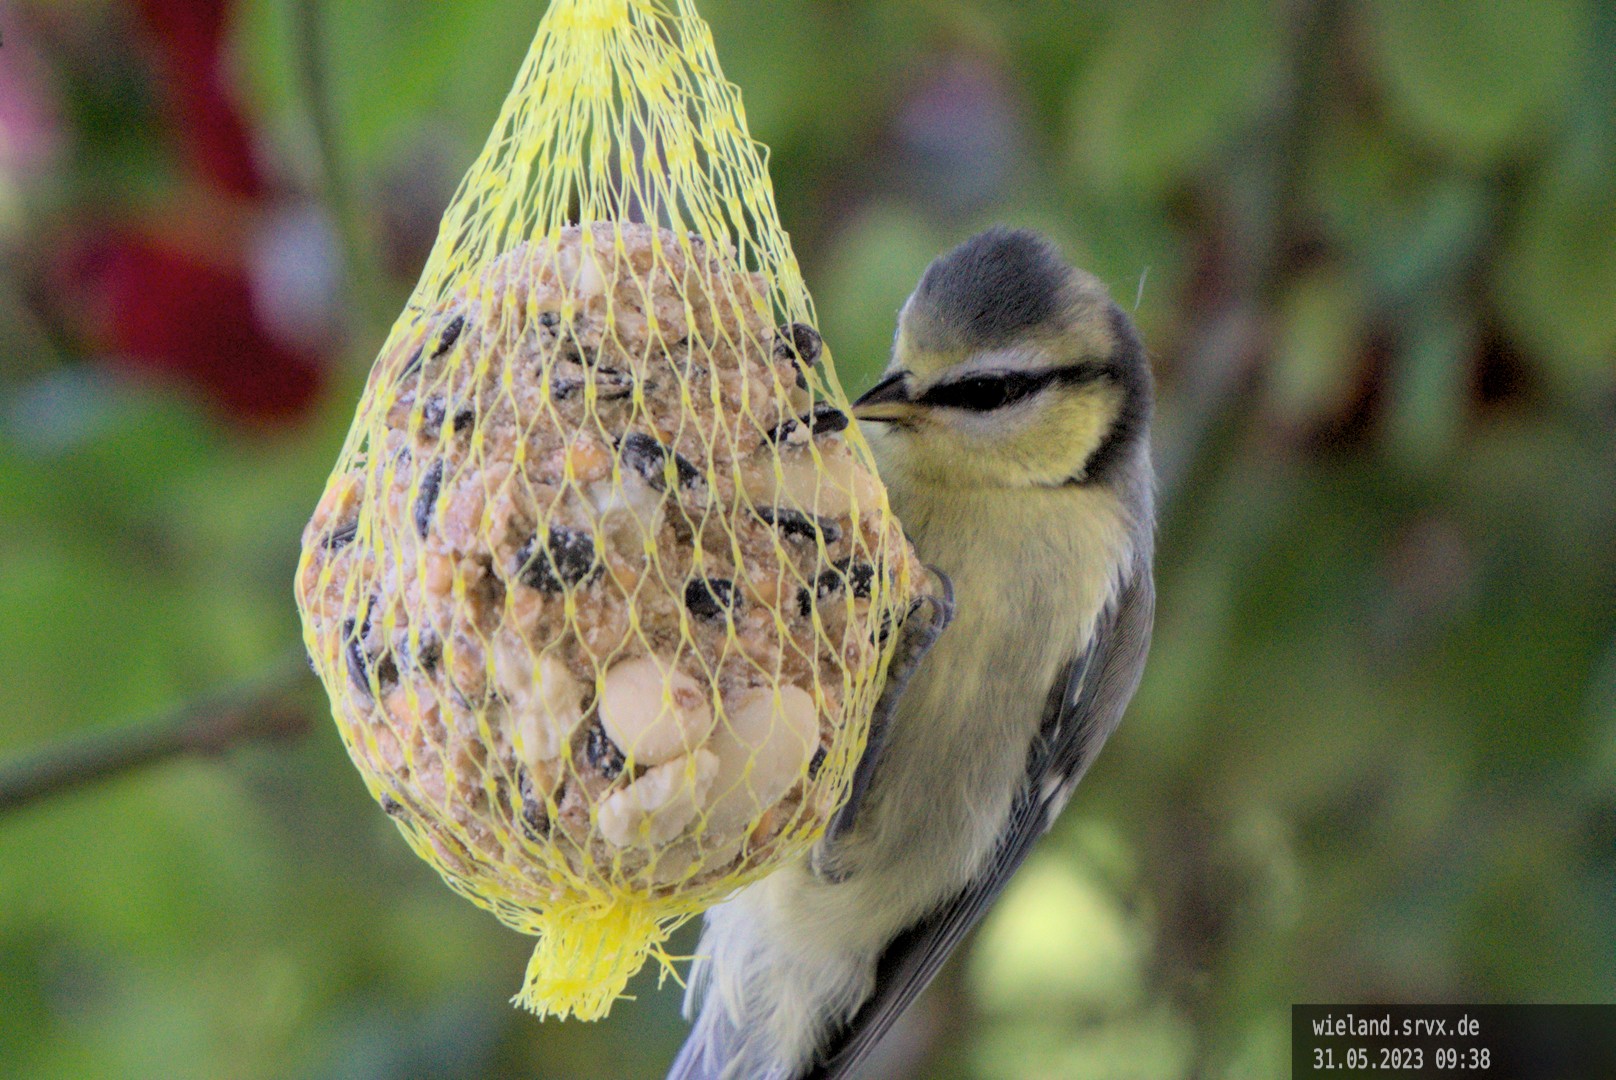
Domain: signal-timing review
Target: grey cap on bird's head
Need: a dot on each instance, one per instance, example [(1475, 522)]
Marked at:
[(1012, 287), (998, 287)]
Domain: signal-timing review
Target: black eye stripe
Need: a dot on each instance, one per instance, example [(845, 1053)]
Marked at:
[(989, 391), (979, 393)]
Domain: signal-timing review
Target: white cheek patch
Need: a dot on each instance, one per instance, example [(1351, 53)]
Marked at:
[(1017, 358), (1000, 425)]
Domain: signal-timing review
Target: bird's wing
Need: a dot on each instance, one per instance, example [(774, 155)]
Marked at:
[(1085, 706), (915, 639)]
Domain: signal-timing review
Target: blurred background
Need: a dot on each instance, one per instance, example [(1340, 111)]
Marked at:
[(1372, 247)]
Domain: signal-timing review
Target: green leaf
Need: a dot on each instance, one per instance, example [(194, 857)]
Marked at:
[(1403, 224), (1320, 323), (1556, 281), (1473, 78), (1058, 940), (1168, 83)]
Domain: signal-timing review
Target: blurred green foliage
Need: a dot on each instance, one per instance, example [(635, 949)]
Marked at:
[(1374, 758)]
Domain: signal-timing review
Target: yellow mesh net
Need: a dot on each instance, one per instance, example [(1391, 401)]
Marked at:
[(603, 585)]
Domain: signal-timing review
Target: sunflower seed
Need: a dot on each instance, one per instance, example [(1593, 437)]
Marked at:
[(602, 753), (711, 598), (796, 524), (451, 334), (567, 558), (427, 500), (341, 536), (646, 456)]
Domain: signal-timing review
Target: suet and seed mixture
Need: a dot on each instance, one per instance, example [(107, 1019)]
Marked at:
[(603, 595)]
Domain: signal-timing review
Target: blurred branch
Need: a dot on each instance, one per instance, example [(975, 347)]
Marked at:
[(270, 707), (313, 70), (1217, 437), (33, 347), (1220, 368), (308, 33)]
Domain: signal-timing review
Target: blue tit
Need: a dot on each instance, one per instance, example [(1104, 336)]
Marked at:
[(1012, 431)]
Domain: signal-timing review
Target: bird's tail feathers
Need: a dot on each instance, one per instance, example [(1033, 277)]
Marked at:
[(710, 1045), (763, 1001)]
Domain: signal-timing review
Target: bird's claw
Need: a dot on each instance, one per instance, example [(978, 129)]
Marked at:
[(915, 639)]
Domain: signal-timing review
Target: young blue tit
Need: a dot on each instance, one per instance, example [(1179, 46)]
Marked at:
[(1012, 431)]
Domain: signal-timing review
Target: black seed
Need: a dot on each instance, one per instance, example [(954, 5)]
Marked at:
[(451, 334), (799, 343), (800, 525), (535, 819), (805, 602), (568, 557), (711, 598), (824, 419), (827, 584), (562, 388), (359, 661), (414, 364), (816, 763), (843, 573), (464, 418), (859, 575), (432, 416), (550, 320), (612, 384), (578, 352), (358, 665), (341, 536), (393, 807), (430, 656), (427, 500), (602, 753), (689, 475), (827, 419), (645, 456), (573, 552)]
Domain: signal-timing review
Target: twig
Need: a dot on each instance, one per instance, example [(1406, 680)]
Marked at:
[(33, 348), (1219, 370), (308, 35), (273, 706), (337, 192)]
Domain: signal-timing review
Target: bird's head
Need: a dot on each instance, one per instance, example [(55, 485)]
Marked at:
[(1010, 369)]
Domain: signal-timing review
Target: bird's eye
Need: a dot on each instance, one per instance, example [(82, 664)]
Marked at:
[(982, 393)]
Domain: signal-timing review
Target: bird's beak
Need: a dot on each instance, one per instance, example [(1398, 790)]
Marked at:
[(887, 400)]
